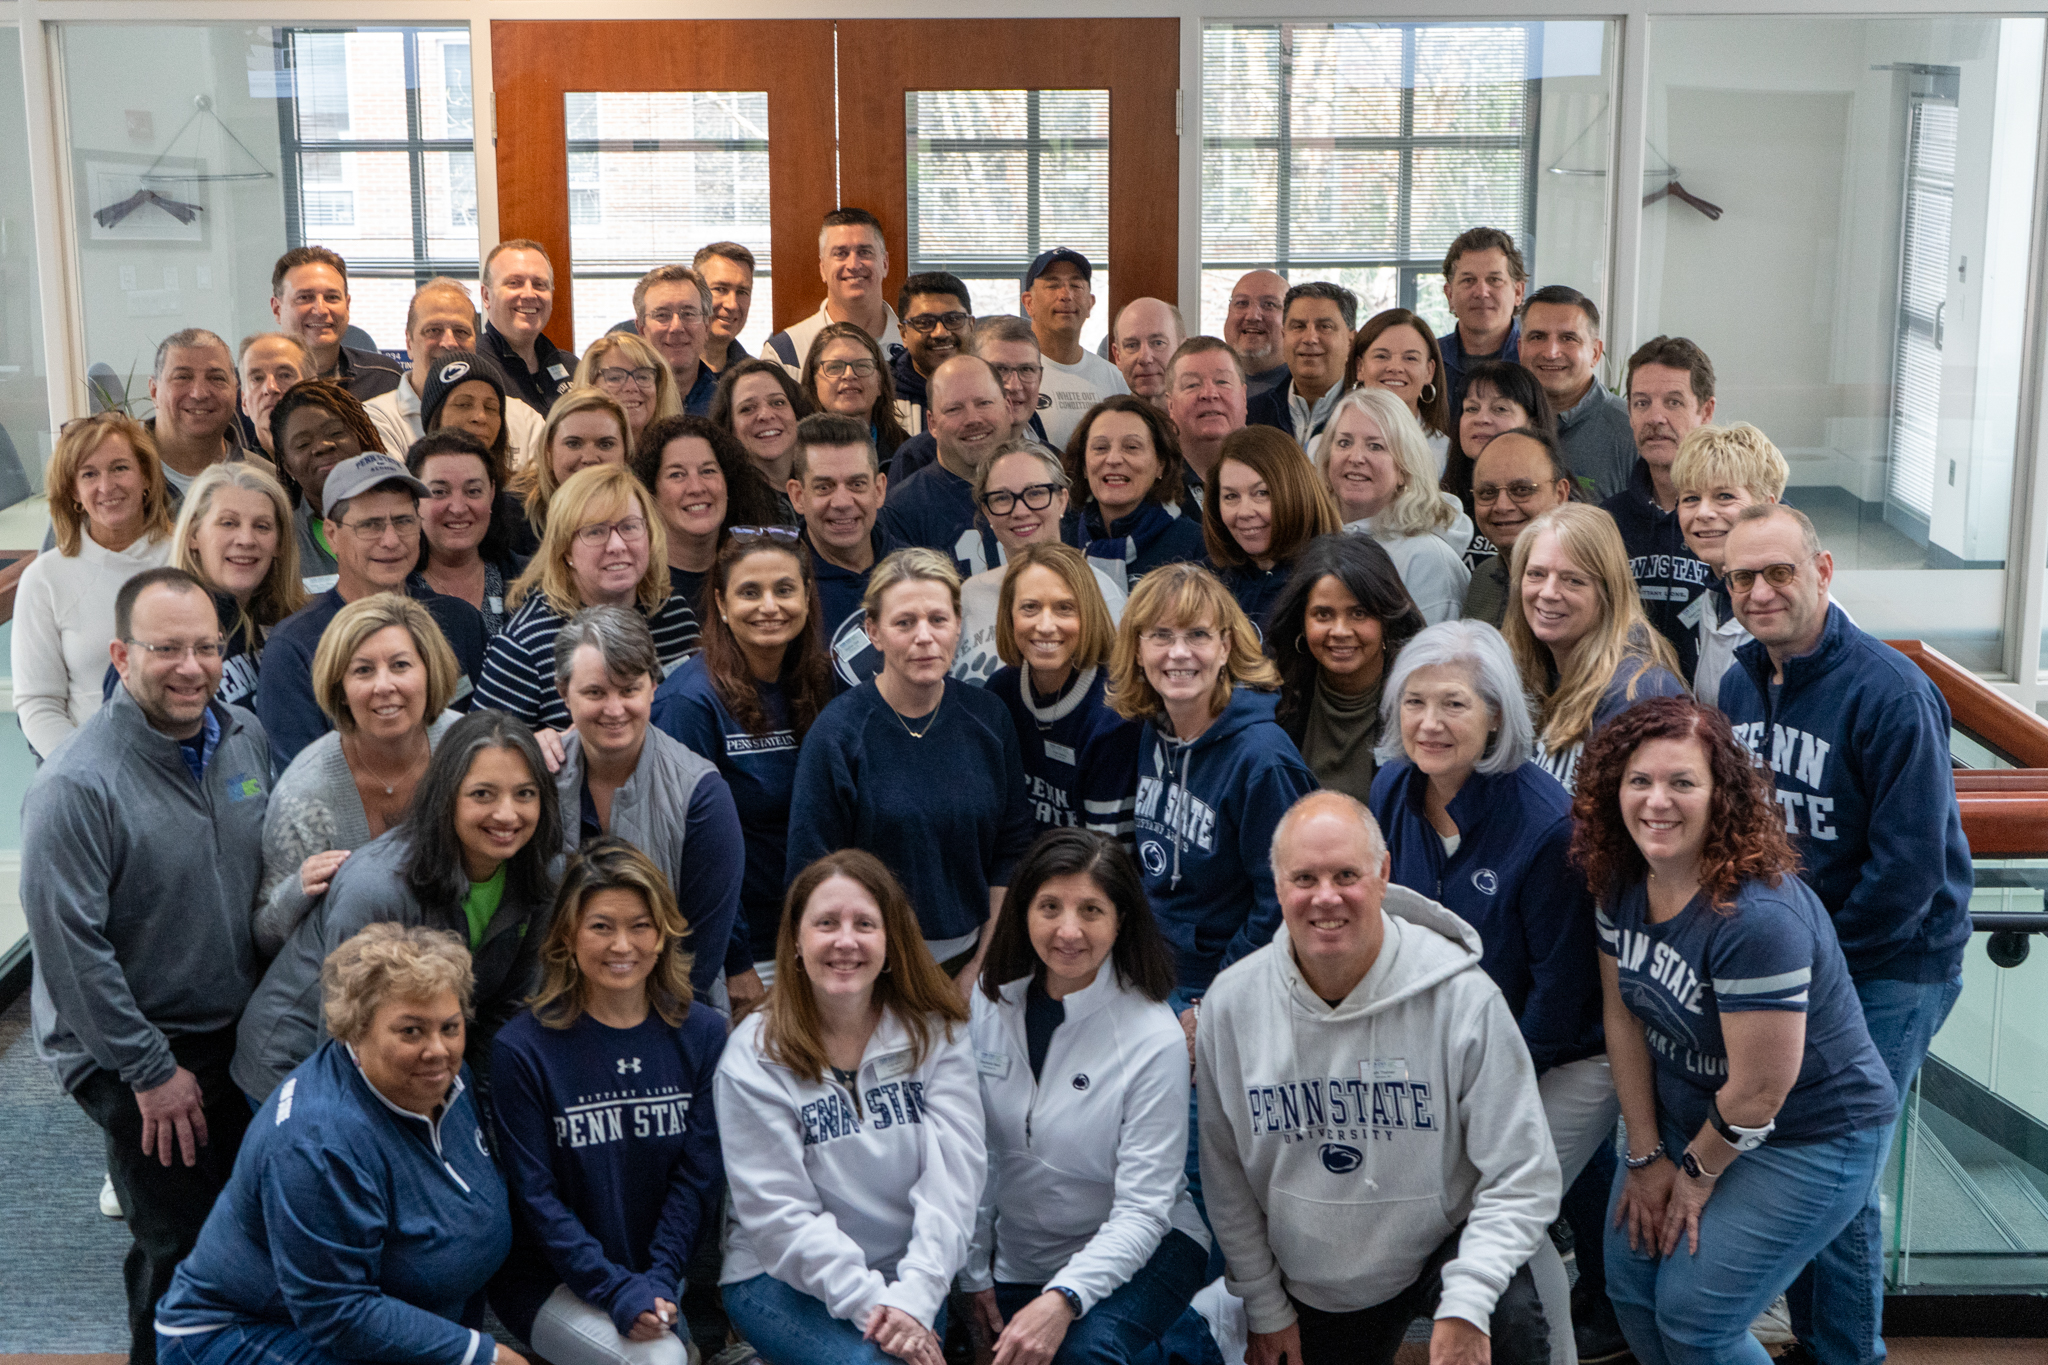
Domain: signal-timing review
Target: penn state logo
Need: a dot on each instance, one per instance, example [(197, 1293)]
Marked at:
[(482, 1145), (854, 656), (1045, 402), (1487, 883), (1081, 1082), (454, 371), (1154, 858), (1341, 1160)]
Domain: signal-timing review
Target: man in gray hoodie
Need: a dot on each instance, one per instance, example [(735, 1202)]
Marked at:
[(142, 844), (1373, 1143)]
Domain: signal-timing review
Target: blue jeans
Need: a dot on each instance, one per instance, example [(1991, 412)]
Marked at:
[(1770, 1213), (1126, 1327), (1848, 1274), (244, 1343), (788, 1326)]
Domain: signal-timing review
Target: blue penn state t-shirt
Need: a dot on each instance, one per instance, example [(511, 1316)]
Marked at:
[(1775, 951)]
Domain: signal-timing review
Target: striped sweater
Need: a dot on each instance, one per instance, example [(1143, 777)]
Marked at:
[(519, 665)]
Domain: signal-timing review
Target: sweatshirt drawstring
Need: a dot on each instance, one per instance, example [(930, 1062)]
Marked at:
[(1179, 812)]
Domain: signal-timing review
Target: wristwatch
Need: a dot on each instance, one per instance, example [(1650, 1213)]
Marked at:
[(1741, 1139), (1689, 1162), (1073, 1299)]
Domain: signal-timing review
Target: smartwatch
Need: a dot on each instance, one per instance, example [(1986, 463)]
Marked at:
[(1741, 1139), (1073, 1299), (1689, 1162)]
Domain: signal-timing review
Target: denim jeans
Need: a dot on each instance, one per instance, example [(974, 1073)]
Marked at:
[(1126, 1327), (243, 1343), (1848, 1274), (1770, 1212), (789, 1327), (1370, 1336)]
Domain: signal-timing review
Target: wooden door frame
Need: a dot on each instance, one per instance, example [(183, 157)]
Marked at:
[(535, 62), (1136, 60)]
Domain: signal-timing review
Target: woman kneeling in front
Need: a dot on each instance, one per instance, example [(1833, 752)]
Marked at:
[(851, 1127), (364, 1214), (1758, 1110), (1097, 1247)]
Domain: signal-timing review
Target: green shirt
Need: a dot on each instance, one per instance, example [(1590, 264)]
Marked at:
[(481, 903)]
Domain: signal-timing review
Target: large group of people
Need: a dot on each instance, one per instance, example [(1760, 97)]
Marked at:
[(934, 835)]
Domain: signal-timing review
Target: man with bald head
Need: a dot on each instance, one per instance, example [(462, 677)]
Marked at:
[(1359, 1067), (439, 319), (935, 506), (1517, 478), (1147, 333), (1205, 397), (1258, 303)]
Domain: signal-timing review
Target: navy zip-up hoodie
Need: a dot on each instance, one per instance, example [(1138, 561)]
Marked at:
[(1206, 813), (1510, 880), (1857, 742), (1668, 576)]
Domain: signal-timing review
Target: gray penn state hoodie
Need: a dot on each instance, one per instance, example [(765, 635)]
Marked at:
[(1340, 1147)]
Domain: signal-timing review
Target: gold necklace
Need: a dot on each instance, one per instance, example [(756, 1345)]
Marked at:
[(930, 720)]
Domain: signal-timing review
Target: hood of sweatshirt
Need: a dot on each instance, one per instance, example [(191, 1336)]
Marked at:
[(1408, 965)]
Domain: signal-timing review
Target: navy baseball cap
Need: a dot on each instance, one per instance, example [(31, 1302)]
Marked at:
[(1059, 253)]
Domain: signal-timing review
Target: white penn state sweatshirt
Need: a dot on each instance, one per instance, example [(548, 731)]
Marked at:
[(857, 1206), (1340, 1147)]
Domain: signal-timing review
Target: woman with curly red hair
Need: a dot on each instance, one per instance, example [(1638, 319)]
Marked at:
[(1758, 1110)]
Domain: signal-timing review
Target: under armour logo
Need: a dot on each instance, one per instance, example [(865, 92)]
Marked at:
[(632, 1066)]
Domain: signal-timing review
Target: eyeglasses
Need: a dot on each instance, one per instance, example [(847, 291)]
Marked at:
[(641, 378), (662, 317), (1167, 639), (1036, 496), (373, 528), (632, 530), (1028, 373), (1521, 490), (924, 323), (787, 534), (839, 369), (205, 651), (1742, 581)]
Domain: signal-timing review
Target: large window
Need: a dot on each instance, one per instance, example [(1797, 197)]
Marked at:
[(1357, 152)]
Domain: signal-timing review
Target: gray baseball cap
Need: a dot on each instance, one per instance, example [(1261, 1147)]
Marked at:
[(353, 478)]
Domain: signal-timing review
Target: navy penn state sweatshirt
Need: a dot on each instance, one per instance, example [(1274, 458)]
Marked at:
[(1857, 742), (1206, 813), (1080, 756), (1669, 577)]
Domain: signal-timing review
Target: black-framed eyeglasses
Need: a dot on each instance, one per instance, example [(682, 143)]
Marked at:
[(618, 377), (839, 369), (1036, 496), (924, 323), (1741, 582)]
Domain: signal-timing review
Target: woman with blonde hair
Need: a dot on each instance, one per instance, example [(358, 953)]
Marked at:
[(1585, 650), (605, 546), (384, 675), (867, 776), (1376, 463), (1262, 506), (234, 535), (110, 509), (585, 427), (635, 376), (850, 1119), (603, 1231), (1054, 636)]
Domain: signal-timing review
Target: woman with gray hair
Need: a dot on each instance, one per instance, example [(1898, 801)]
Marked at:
[(620, 775), (365, 1213), (1473, 822)]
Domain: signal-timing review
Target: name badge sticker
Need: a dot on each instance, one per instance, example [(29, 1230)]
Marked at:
[(996, 1064), (1691, 615), (892, 1066), (1060, 753), (1382, 1069), (558, 371)]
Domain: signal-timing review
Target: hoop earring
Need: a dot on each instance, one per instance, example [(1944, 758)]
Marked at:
[(1301, 642), (1429, 392)]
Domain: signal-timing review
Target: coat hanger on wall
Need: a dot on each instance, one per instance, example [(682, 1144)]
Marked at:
[(1664, 170)]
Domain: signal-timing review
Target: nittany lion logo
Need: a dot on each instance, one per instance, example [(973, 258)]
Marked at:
[(1154, 858), (1341, 1160), (454, 371), (1486, 881), (1081, 1082), (854, 656)]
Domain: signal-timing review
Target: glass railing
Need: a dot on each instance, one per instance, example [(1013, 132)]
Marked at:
[(1966, 1189)]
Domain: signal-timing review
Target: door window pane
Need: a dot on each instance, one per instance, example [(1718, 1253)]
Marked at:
[(24, 381), (997, 176), (1862, 296), (655, 176)]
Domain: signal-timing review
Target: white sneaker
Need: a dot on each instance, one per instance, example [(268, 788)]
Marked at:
[(110, 1203), (1773, 1326)]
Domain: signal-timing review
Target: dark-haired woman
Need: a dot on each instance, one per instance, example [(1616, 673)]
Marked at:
[(1395, 350), (471, 856), (1499, 396), (1088, 1247), (466, 533), (845, 373), (1125, 453), (608, 1199), (313, 428), (1263, 504), (745, 702), (1335, 630), (760, 404), (851, 1127), (703, 485), (1759, 1113)]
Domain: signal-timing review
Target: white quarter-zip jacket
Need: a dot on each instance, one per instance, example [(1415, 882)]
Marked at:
[(857, 1206), (1340, 1147), (1088, 1164)]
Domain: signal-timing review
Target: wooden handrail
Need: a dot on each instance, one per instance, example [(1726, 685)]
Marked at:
[(10, 579), (1980, 708), (2005, 810)]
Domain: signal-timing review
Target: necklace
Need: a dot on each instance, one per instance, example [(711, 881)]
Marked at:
[(930, 721), (390, 788)]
